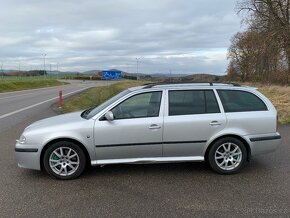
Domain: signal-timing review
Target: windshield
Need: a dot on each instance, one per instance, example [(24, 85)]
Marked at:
[(102, 106)]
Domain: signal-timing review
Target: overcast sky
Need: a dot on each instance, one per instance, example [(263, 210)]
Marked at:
[(186, 36)]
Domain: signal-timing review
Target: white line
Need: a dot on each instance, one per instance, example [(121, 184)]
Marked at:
[(37, 104), (13, 96)]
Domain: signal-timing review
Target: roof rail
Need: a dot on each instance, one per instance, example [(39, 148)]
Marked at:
[(150, 85)]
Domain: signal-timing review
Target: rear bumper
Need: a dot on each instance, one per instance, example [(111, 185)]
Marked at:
[(27, 156), (264, 143)]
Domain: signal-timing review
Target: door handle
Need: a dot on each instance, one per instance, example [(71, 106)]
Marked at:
[(215, 123), (154, 126)]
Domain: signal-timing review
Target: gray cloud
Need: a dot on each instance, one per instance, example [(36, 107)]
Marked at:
[(184, 36)]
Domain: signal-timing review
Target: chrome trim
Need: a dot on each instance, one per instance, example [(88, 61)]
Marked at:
[(147, 160)]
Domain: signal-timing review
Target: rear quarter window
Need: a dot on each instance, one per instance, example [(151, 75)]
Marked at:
[(240, 101)]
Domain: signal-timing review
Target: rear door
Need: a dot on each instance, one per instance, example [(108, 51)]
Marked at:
[(191, 118)]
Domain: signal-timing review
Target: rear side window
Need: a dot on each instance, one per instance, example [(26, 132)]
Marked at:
[(240, 101), (184, 102)]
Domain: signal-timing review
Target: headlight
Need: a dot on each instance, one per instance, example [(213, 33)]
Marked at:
[(22, 139)]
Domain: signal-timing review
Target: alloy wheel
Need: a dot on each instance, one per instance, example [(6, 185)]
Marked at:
[(64, 161), (228, 156)]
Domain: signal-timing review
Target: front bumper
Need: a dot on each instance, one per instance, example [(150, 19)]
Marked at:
[(264, 143), (27, 156)]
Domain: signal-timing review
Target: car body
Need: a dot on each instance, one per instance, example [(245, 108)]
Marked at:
[(156, 123)]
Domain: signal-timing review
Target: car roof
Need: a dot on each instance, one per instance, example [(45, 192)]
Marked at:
[(194, 85)]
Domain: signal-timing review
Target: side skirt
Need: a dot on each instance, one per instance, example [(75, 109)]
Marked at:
[(147, 160)]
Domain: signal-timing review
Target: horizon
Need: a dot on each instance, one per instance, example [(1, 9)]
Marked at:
[(53, 72)]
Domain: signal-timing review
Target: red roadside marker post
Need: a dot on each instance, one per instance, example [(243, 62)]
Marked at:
[(60, 99)]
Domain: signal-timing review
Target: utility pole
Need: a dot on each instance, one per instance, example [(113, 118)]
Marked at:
[(57, 69), (2, 69), (137, 66), (170, 75), (43, 63)]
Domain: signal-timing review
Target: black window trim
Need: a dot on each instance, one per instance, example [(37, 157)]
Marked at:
[(206, 89), (216, 101), (102, 118), (217, 90)]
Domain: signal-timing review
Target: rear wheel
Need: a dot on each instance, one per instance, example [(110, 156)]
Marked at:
[(227, 155), (64, 160)]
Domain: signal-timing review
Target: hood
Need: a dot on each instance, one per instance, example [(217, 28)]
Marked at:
[(57, 120)]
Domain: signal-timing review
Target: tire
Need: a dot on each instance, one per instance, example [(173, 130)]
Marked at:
[(64, 160), (227, 156)]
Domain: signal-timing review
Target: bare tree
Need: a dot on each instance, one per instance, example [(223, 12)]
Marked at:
[(262, 52)]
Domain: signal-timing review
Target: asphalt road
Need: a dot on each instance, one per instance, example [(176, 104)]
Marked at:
[(262, 189), (18, 106)]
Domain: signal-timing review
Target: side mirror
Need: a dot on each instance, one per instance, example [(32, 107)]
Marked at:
[(109, 116)]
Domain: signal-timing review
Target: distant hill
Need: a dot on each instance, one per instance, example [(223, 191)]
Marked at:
[(198, 78), (34, 72), (27, 73), (92, 72), (168, 75)]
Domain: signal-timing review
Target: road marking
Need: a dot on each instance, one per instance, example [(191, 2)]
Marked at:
[(12, 96), (37, 104)]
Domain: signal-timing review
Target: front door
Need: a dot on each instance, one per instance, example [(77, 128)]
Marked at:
[(136, 130)]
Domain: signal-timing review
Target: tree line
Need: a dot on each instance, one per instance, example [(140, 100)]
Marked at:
[(261, 53)]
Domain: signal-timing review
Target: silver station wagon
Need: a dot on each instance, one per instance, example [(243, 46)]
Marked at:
[(223, 124)]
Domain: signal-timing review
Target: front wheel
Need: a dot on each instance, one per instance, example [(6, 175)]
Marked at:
[(227, 156), (64, 160)]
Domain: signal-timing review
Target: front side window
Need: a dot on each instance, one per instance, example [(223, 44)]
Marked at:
[(138, 106), (184, 102), (102, 106), (240, 101)]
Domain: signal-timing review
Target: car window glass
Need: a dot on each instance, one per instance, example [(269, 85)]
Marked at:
[(184, 102), (137, 106), (102, 106), (239, 101)]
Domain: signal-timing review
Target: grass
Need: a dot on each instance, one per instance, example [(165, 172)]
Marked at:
[(11, 83), (96, 96), (279, 96)]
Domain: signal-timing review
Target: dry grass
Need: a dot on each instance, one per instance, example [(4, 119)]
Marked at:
[(280, 97)]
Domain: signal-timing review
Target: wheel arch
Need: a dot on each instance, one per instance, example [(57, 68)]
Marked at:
[(46, 146), (248, 148)]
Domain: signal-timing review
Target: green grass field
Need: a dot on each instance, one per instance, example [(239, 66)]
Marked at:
[(13, 83), (96, 96), (279, 95)]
